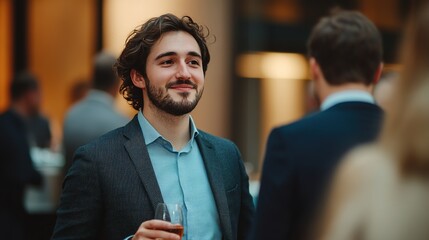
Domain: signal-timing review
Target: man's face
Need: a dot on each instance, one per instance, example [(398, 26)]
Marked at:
[(175, 78), (33, 101)]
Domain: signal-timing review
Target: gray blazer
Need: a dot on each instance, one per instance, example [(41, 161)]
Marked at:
[(111, 187), (87, 120)]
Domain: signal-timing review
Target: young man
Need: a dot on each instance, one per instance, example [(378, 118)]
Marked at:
[(115, 183), (345, 59)]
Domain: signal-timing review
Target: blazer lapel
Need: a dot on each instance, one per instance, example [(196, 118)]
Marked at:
[(139, 155), (214, 173)]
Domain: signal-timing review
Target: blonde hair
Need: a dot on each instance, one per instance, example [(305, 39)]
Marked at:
[(406, 129)]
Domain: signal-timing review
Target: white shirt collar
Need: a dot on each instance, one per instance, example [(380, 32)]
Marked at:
[(347, 96)]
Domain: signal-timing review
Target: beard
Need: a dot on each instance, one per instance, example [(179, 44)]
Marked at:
[(167, 104)]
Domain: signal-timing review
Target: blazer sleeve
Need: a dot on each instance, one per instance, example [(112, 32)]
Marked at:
[(247, 208), (80, 210), (274, 205)]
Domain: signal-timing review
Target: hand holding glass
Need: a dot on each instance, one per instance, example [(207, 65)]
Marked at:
[(171, 213)]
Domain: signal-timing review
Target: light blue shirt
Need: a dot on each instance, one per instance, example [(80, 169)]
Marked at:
[(347, 96), (182, 178)]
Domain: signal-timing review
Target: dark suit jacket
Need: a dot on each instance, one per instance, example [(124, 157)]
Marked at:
[(299, 162), (16, 172), (111, 187)]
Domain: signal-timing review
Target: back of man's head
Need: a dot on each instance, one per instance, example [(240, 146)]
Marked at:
[(347, 46), (104, 77), (22, 83)]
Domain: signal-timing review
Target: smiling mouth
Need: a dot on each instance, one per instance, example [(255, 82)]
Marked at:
[(182, 87)]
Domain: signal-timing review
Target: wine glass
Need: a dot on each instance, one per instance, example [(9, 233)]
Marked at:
[(171, 213)]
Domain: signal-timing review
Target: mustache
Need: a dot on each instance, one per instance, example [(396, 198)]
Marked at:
[(178, 82)]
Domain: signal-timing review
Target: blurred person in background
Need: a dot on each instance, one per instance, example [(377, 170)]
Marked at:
[(345, 51), (39, 131), (115, 183), (16, 166), (79, 90), (95, 114), (381, 191)]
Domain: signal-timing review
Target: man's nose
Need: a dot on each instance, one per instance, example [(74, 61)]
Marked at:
[(183, 72)]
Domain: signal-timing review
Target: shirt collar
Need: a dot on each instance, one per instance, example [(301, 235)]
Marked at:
[(347, 96), (151, 134), (194, 129)]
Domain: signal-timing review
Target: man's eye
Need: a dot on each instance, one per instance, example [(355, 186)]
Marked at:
[(194, 62), (167, 62)]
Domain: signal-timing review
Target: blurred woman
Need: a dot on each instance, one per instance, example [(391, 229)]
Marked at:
[(381, 191)]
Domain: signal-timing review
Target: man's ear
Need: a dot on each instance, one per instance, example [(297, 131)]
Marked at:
[(315, 72), (138, 79), (378, 73)]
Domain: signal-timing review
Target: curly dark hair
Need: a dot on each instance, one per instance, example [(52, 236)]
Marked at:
[(139, 44)]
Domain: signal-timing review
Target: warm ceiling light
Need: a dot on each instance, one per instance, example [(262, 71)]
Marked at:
[(272, 65)]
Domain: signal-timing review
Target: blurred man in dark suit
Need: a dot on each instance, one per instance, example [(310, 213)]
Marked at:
[(345, 51), (16, 167)]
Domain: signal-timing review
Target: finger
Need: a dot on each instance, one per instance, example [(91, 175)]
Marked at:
[(154, 234), (153, 229), (156, 224)]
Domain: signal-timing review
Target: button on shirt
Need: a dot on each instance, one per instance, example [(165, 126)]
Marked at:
[(182, 179)]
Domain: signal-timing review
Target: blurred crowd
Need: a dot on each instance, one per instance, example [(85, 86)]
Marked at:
[(32, 169)]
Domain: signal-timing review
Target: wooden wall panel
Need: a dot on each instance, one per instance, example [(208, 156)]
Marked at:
[(386, 14), (61, 46), (5, 51)]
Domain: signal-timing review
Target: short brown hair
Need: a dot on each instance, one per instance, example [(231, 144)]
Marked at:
[(139, 44), (347, 46)]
